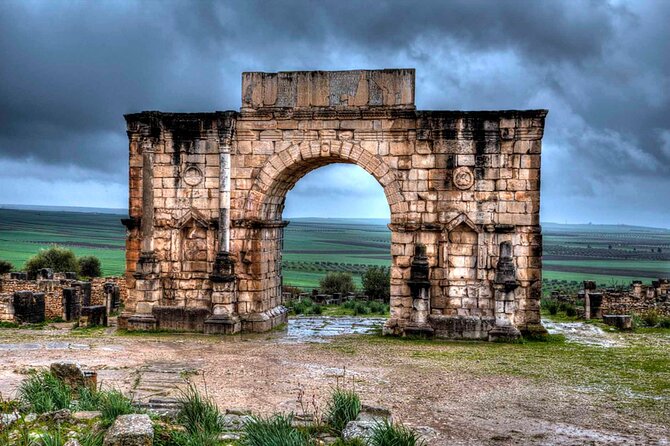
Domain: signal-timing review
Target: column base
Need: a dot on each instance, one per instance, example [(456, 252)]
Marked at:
[(264, 321), (222, 324), (419, 330), (534, 331), (141, 322), (504, 333)]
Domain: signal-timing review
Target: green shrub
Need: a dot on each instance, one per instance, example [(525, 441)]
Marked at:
[(571, 311), (550, 305), (378, 307), (360, 308), (273, 431), (335, 282), (349, 305), (343, 407), (43, 392), (377, 283), (317, 309), (664, 322), (5, 267), (114, 403), (57, 258), (651, 318), (389, 434), (89, 266), (198, 413), (303, 306)]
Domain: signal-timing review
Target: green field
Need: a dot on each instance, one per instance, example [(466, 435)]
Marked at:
[(608, 254), (23, 233)]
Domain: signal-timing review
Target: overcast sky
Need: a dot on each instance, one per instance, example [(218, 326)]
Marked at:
[(70, 70)]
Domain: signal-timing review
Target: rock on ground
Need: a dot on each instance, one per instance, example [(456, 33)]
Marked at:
[(70, 373), (130, 430)]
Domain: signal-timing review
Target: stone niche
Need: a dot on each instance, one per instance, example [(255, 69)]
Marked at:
[(207, 192)]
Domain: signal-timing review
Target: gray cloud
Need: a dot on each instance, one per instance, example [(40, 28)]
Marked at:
[(70, 70)]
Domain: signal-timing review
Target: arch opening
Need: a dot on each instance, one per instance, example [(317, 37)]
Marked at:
[(307, 249)]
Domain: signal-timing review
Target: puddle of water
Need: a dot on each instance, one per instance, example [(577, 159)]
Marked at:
[(319, 329), (582, 333)]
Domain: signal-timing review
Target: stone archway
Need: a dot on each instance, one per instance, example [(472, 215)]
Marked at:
[(463, 188)]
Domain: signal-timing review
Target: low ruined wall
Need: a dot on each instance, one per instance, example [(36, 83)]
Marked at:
[(6, 307), (628, 303), (637, 299), (98, 289), (53, 293)]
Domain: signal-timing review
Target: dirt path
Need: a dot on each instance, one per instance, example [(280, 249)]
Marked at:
[(265, 373)]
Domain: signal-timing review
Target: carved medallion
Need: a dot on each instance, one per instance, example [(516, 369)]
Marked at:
[(463, 178), (192, 176)]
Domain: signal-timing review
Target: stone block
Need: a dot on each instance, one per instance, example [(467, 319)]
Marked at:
[(130, 430)]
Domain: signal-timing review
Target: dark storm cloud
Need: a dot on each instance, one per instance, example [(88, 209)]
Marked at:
[(70, 70)]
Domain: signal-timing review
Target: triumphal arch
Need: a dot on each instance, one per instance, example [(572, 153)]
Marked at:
[(207, 190)]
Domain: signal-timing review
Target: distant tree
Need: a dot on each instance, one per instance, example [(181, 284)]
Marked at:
[(57, 258), (5, 267), (609, 246), (337, 283), (659, 250), (89, 266), (377, 283)]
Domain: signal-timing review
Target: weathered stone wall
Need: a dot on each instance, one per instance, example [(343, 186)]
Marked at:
[(53, 291), (461, 184), (638, 299)]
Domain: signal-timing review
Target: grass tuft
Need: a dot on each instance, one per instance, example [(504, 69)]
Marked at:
[(274, 431), (92, 438), (114, 403), (43, 392), (55, 438), (343, 407), (198, 413), (389, 434), (89, 399)]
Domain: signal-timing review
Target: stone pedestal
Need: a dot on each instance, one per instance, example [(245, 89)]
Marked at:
[(148, 291), (505, 285), (504, 333), (264, 321), (419, 285), (141, 322), (223, 324)]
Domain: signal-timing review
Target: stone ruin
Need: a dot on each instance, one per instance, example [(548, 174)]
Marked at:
[(637, 299), (207, 191), (59, 295)]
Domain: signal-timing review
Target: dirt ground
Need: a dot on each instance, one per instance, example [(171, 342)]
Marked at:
[(454, 405)]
